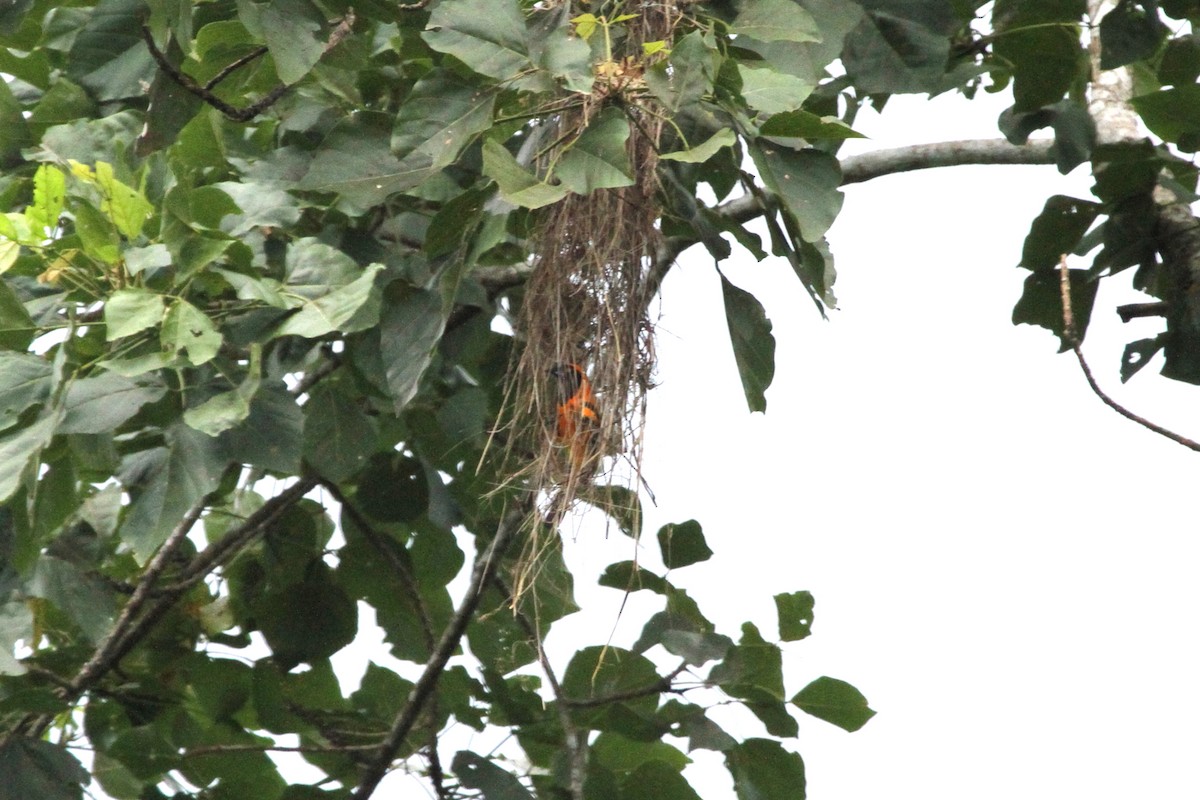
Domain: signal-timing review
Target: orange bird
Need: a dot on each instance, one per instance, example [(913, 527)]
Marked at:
[(577, 416)]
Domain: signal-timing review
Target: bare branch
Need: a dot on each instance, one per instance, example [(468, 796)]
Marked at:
[(1073, 341), (1131, 311), (485, 566), (663, 684)]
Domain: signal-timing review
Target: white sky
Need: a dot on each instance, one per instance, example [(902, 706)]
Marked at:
[(1002, 564)]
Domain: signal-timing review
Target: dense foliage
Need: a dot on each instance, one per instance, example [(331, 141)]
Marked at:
[(256, 257)]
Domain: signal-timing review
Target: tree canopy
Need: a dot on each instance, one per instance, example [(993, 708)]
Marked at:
[(284, 285)]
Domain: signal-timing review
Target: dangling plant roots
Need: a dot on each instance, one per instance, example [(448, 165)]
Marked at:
[(587, 302)]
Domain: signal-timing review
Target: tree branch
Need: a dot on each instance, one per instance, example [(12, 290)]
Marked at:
[(485, 567), (1073, 341), (877, 164)]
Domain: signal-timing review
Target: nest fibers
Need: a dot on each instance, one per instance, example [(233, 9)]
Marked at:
[(587, 302)]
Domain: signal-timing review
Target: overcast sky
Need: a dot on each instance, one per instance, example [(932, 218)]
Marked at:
[(1003, 565)]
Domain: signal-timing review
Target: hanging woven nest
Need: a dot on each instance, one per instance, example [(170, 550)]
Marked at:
[(576, 395)]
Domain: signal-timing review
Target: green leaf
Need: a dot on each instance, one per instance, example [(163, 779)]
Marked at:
[(1041, 303), (441, 115), (1180, 64), (24, 381), (753, 344), (487, 35), (806, 125), (49, 197), (1056, 231), (705, 150), (21, 446), (517, 185), (96, 232), (16, 326), (687, 76), (890, 53), (128, 311), (271, 437), (1130, 32), (621, 754), (752, 670), (834, 701), (177, 477), (775, 20), (622, 505), (338, 436), (795, 612), (773, 92), (656, 780), (806, 182), (1173, 114), (356, 162), (125, 206), (16, 623), (598, 159), (477, 772), (410, 329), (1138, 354), (108, 55), (763, 770), (102, 403), (84, 598), (308, 620), (259, 206), (223, 411), (1042, 44), (292, 31), (347, 308), (187, 329), (37, 768), (682, 544)]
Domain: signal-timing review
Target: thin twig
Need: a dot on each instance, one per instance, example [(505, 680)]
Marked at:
[(205, 93), (234, 66), (1072, 341), (218, 749), (485, 566), (664, 684)]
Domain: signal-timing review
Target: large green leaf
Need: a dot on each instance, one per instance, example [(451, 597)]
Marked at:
[(753, 343), (188, 330), (441, 115), (1130, 32), (493, 782), (1041, 302), (177, 477), (16, 326), (331, 293), (775, 20), (752, 670), (291, 29), (892, 53), (338, 436), (410, 329), (21, 445), (763, 770), (773, 92), (488, 36), (806, 182), (101, 404), (223, 411), (84, 598), (356, 162), (518, 185), (598, 159), (1173, 114), (108, 57), (128, 311), (308, 620), (24, 381), (1056, 231), (682, 544), (37, 768), (834, 701)]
